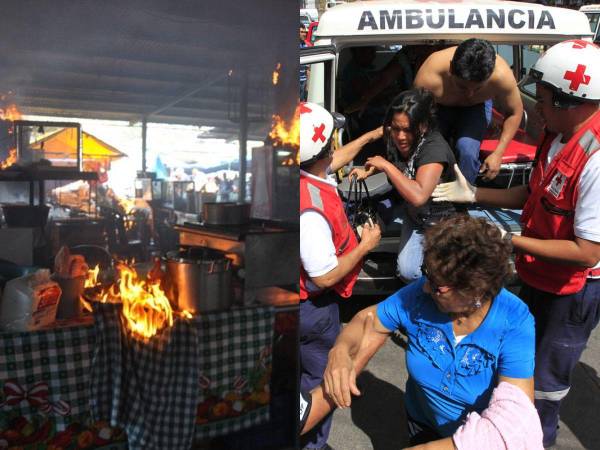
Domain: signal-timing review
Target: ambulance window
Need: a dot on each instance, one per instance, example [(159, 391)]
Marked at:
[(593, 18), (318, 85), (506, 52), (529, 56)]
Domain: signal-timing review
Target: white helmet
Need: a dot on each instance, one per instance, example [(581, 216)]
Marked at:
[(316, 127), (572, 69)]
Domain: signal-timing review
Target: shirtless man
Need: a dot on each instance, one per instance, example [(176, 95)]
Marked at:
[(464, 80)]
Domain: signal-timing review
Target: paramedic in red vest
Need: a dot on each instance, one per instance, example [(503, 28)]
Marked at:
[(558, 252), (331, 256)]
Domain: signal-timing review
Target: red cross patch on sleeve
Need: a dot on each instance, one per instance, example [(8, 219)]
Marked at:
[(557, 184)]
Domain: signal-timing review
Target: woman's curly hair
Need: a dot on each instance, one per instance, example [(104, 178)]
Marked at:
[(468, 254)]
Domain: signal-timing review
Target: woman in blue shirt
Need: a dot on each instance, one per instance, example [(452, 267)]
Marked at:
[(465, 332)]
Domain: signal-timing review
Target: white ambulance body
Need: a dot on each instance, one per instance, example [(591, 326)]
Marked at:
[(519, 33)]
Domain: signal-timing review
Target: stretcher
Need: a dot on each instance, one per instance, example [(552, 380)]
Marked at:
[(518, 157)]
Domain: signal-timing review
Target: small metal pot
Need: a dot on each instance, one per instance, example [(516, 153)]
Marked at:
[(227, 213), (199, 279)]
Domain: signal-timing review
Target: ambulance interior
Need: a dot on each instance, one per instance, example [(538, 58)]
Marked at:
[(360, 67)]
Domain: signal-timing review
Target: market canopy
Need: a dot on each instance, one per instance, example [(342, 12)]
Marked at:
[(178, 62), (63, 144)]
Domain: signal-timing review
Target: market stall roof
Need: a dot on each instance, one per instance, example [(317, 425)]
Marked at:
[(170, 61), (63, 144)]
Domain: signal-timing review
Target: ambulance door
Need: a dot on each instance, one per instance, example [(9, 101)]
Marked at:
[(319, 63), (594, 19), (528, 55)]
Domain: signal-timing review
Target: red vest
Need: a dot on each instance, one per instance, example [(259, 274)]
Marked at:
[(322, 197), (549, 212)]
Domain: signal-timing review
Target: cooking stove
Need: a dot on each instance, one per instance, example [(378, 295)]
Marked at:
[(237, 232), (263, 253)]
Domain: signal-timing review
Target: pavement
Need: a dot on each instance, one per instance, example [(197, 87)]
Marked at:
[(376, 420)]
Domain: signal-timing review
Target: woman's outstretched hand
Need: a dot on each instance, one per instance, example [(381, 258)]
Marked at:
[(459, 191), (360, 173), (378, 162)]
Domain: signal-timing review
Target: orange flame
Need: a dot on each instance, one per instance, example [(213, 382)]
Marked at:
[(145, 306), (10, 160), (286, 134), (11, 112), (276, 74), (92, 277), (86, 305), (128, 206), (91, 281)]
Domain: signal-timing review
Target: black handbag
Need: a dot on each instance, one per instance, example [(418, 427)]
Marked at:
[(433, 213), (359, 209)]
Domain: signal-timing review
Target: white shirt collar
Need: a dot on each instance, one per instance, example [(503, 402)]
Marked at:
[(315, 177)]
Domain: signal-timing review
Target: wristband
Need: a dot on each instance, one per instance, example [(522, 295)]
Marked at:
[(305, 405)]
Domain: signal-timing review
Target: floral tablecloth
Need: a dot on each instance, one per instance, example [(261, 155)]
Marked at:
[(47, 396)]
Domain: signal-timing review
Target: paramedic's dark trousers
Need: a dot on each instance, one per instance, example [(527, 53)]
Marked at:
[(319, 328), (563, 324)]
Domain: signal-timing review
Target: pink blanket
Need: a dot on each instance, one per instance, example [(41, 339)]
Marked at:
[(510, 422)]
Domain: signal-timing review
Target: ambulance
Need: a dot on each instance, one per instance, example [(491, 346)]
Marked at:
[(518, 31), (593, 14)]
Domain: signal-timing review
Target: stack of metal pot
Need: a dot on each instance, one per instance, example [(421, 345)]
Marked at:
[(200, 279)]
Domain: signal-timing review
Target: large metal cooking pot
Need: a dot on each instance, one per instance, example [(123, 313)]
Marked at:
[(226, 213), (200, 279)]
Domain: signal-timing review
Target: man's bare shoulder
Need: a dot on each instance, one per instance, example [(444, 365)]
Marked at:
[(438, 62), (434, 68), (503, 76)]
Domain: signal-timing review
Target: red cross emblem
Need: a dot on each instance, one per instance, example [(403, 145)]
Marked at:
[(319, 133), (578, 77), (304, 108), (579, 44)]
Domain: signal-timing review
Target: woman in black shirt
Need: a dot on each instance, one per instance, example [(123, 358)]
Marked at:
[(418, 159)]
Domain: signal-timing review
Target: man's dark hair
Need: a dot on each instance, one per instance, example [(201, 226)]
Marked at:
[(474, 60), (468, 254)]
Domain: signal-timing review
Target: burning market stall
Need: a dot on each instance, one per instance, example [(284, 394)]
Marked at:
[(221, 362), (58, 379), (27, 173)]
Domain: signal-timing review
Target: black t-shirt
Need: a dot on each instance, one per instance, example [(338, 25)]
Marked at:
[(435, 149)]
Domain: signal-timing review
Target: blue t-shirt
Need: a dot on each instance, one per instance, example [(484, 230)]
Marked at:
[(447, 381)]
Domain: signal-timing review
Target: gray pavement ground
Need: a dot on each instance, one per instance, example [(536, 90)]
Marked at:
[(376, 420)]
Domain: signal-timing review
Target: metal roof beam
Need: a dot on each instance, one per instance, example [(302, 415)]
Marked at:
[(184, 96)]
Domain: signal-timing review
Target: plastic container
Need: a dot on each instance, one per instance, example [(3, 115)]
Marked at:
[(29, 302)]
